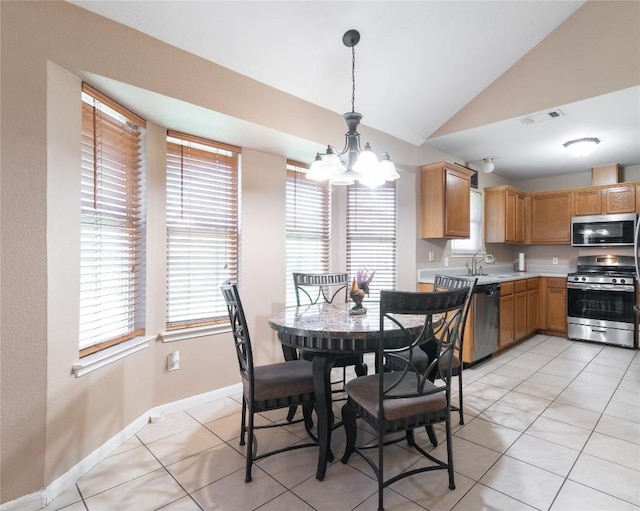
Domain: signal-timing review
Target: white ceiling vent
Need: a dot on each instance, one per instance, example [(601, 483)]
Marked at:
[(541, 117)]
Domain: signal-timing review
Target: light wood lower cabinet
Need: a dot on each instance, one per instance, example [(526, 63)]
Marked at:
[(526, 307), (519, 309), (506, 333), (553, 305), (533, 299)]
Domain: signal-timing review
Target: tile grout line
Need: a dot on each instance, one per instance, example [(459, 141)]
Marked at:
[(591, 431), (173, 477), (524, 431)]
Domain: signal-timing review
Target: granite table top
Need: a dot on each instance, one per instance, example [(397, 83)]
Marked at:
[(330, 327)]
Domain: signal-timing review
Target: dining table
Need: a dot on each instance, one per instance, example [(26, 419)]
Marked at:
[(328, 330)]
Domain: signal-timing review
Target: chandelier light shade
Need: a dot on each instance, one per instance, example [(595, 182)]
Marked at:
[(581, 146), (487, 165), (352, 163)]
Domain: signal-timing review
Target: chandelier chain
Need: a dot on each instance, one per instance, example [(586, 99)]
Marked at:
[(352, 163), (353, 78)]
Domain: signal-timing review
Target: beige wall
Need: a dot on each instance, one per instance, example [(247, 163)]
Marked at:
[(51, 420), (592, 53)]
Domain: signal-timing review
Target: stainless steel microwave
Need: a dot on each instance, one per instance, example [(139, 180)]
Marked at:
[(603, 230)]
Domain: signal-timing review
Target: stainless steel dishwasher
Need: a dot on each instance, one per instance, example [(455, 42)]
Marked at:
[(486, 315)]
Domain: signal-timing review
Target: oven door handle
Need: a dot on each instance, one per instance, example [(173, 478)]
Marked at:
[(600, 287)]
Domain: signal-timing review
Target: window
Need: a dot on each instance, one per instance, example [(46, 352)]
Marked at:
[(202, 228), (472, 244), (308, 225), (112, 265), (371, 234)]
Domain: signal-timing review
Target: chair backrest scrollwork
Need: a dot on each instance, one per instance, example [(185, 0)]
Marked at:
[(320, 287), (443, 313)]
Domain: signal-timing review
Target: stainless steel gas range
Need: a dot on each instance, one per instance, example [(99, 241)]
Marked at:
[(600, 299)]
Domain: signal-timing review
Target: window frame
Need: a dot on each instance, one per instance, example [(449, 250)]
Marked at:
[(370, 234), (476, 224), (111, 218), (306, 200), (202, 216)]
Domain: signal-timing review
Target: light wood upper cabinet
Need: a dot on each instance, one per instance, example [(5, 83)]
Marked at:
[(445, 208), (504, 215), (587, 201), (551, 217), (620, 199), (605, 200)]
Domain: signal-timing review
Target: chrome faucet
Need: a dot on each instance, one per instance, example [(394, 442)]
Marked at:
[(478, 258)]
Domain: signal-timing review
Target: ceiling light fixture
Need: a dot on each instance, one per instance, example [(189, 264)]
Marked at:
[(487, 165), (361, 165), (581, 146)]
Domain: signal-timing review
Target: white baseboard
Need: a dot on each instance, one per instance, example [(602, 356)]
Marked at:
[(40, 499), (26, 503)]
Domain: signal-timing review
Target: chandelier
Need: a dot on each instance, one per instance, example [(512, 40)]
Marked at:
[(352, 163)]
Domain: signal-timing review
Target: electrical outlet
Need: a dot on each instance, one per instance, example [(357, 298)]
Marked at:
[(555, 260), (432, 256), (173, 361), (446, 261)]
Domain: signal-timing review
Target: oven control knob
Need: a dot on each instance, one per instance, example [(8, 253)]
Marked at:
[(621, 281), (584, 279), (613, 281)]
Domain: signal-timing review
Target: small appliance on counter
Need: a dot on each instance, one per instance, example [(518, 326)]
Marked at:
[(520, 264)]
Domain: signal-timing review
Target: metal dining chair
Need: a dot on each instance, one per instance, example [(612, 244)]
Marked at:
[(406, 398), (313, 288), (325, 288), (266, 387), (421, 359)]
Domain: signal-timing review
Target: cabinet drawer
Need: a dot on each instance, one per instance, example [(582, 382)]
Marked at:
[(520, 286), (506, 288), (557, 282), (533, 283)]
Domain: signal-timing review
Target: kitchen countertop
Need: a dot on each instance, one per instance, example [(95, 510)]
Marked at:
[(498, 273)]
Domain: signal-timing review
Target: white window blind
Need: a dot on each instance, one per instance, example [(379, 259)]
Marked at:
[(112, 264), (202, 228), (472, 244), (371, 235), (308, 225)]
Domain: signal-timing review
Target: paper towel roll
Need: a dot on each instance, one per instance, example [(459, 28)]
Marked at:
[(521, 264)]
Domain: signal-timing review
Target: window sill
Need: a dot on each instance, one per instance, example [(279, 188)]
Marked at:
[(192, 333), (102, 358)]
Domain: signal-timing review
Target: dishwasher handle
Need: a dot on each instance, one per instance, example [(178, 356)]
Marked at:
[(487, 289)]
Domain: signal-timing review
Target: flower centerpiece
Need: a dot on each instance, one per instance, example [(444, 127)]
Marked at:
[(360, 288)]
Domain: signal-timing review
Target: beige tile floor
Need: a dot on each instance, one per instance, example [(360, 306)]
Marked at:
[(551, 424)]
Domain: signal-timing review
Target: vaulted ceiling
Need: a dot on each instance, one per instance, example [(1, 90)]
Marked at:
[(420, 68)]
